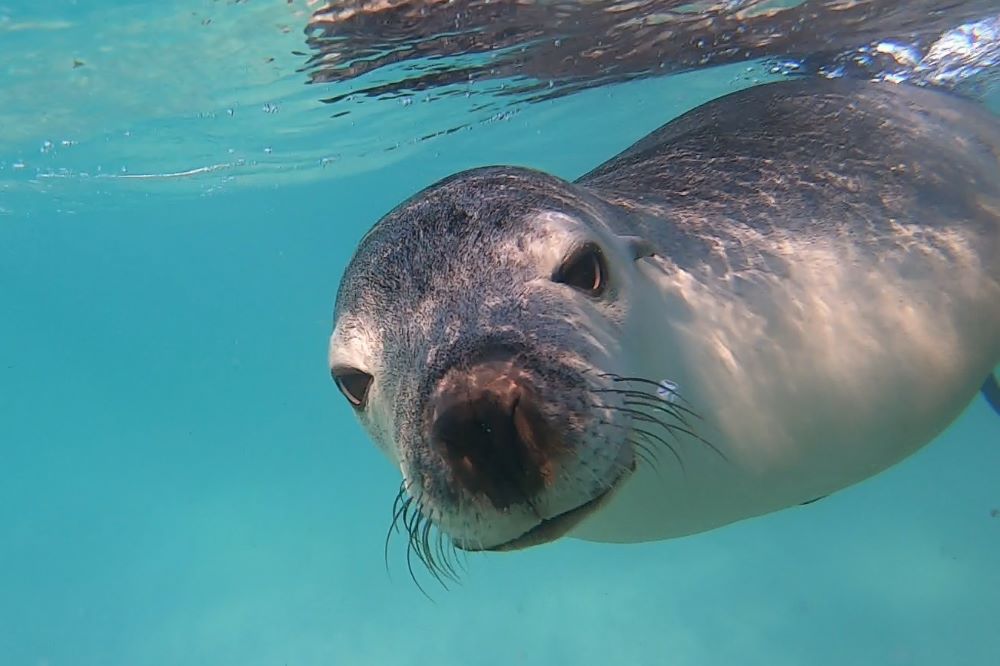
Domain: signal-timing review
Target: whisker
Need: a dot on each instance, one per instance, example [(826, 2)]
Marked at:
[(409, 567), (437, 552), (648, 382), (400, 498), (668, 407), (417, 530), (642, 416), (657, 404), (426, 553), (635, 398), (413, 576), (645, 454), (650, 457), (446, 556), (397, 511), (659, 439), (424, 541)]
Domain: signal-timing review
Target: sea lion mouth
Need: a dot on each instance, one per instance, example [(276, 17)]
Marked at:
[(557, 526)]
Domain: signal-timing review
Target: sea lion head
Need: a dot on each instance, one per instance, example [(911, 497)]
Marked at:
[(478, 338)]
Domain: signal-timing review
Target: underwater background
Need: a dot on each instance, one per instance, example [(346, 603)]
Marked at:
[(181, 483)]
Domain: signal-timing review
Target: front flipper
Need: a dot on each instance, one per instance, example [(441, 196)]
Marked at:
[(991, 391)]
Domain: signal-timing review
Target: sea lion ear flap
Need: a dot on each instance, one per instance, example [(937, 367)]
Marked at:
[(638, 247)]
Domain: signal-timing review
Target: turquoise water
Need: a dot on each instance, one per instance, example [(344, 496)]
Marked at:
[(181, 483)]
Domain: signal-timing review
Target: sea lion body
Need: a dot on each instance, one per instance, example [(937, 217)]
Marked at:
[(813, 264)]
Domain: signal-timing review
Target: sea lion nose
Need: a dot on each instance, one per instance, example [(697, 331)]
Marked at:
[(487, 425)]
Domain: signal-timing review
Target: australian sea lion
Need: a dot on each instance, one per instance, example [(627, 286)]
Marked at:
[(770, 298)]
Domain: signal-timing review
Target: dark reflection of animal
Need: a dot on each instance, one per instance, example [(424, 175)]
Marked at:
[(547, 49), (770, 298)]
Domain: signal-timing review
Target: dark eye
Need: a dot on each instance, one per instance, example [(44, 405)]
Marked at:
[(584, 270), (353, 384)]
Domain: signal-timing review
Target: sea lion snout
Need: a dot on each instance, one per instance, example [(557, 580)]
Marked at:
[(487, 424)]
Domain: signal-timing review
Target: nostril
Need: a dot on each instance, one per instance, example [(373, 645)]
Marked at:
[(469, 429), (491, 448)]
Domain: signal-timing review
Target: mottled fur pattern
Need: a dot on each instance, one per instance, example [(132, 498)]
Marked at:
[(475, 243)]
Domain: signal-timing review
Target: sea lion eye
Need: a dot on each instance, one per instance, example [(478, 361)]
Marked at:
[(354, 384), (584, 270)]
